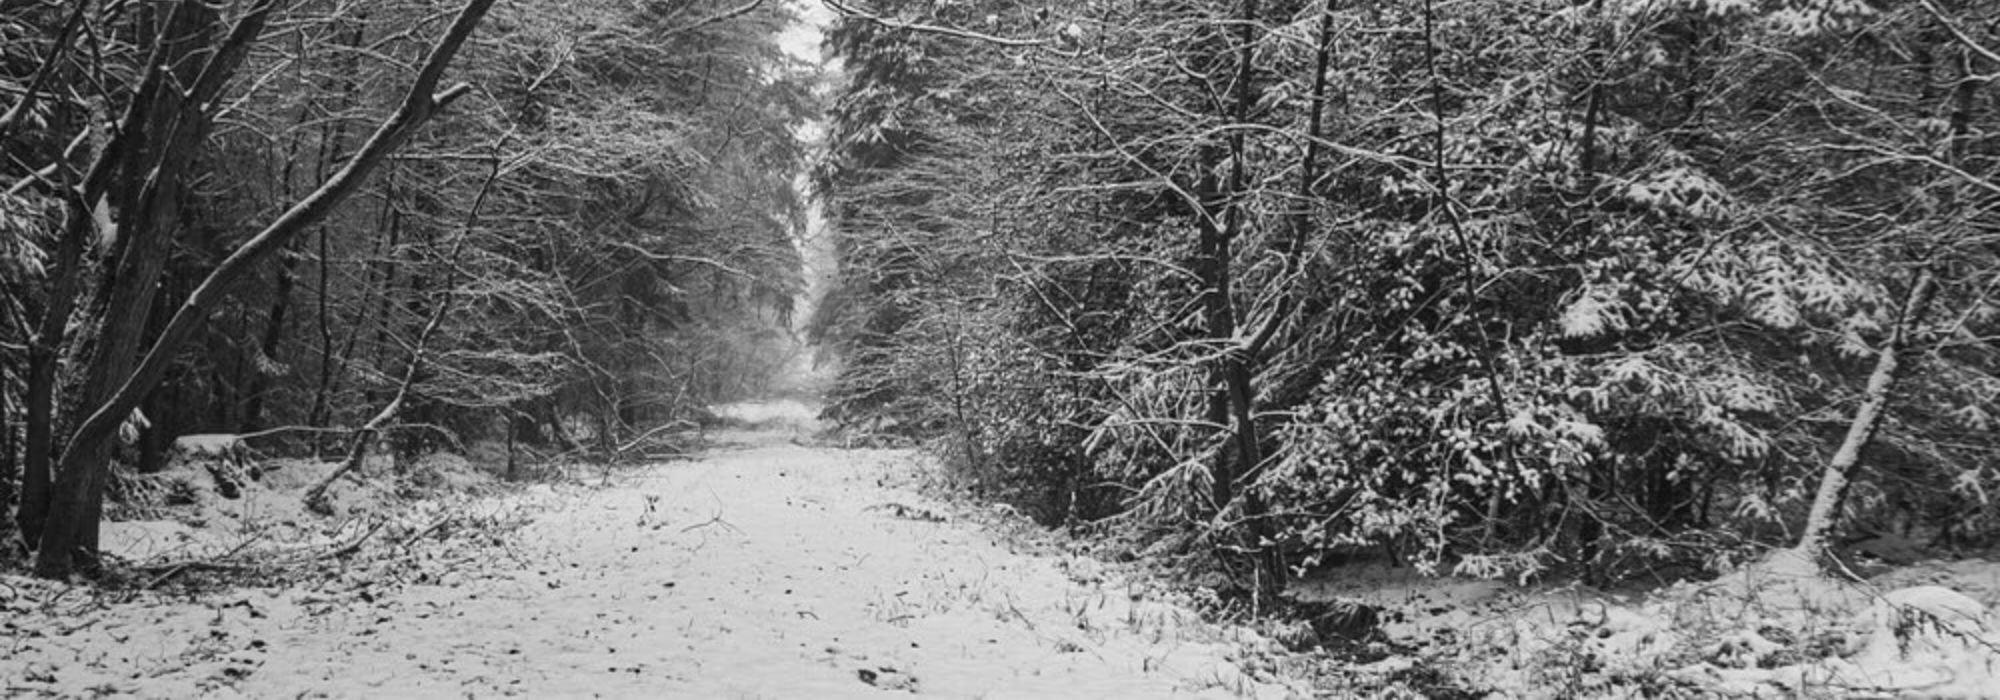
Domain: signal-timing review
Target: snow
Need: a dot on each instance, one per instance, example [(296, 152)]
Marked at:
[(209, 444), (1776, 628), (768, 571), (772, 569), (789, 413)]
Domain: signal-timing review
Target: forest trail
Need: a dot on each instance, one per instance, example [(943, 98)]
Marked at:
[(764, 570)]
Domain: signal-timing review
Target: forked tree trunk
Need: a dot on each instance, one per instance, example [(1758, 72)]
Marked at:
[(69, 531), (1833, 484), (167, 126)]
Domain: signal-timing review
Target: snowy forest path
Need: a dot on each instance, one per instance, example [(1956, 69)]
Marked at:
[(764, 570)]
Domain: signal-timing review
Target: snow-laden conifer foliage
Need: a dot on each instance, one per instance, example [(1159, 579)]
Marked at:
[(1489, 285)]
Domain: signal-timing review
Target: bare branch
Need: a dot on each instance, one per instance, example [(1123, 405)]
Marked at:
[(1930, 6), (19, 112), (725, 15), (851, 12)]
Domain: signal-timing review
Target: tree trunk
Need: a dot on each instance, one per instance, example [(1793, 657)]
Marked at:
[(71, 525), (9, 467), (153, 438), (317, 415), (1218, 224), (386, 318), (29, 478), (264, 364), (1232, 403), (513, 472), (38, 431), (1833, 484), (168, 128)]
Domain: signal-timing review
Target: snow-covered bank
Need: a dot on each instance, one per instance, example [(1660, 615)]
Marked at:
[(1772, 629)]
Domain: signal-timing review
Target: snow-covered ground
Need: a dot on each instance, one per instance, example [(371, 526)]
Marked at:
[(782, 413), (775, 570), (770, 570)]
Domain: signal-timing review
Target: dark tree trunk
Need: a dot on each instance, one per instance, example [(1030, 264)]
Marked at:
[(166, 127), (9, 459), (154, 439), (69, 533), (1220, 223), (223, 393), (44, 351), (522, 426), (266, 360), (386, 316), (317, 416), (332, 142), (1237, 370)]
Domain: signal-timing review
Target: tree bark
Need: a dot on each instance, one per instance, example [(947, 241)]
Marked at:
[(44, 348), (169, 124), (1236, 364), (267, 346), (70, 528), (317, 415), (1834, 483), (9, 467), (1232, 403), (1219, 224)]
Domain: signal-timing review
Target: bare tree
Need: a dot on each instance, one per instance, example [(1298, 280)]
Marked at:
[(163, 124)]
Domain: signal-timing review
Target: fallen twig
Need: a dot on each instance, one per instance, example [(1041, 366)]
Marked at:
[(434, 527), (715, 520), (352, 547), (217, 563)]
